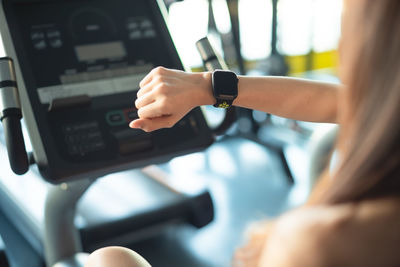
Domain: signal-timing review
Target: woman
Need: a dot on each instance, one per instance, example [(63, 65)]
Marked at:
[(353, 215)]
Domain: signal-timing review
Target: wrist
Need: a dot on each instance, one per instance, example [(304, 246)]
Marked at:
[(206, 96)]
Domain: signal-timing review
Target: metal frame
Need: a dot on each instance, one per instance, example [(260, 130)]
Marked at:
[(62, 243)]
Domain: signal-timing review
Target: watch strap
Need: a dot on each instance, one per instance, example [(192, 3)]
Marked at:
[(223, 103)]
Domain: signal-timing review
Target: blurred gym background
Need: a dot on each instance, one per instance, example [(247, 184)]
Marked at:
[(261, 167)]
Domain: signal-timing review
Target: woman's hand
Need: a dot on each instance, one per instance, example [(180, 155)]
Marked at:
[(166, 95)]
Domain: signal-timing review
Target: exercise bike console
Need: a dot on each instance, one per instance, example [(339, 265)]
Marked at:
[(78, 66)]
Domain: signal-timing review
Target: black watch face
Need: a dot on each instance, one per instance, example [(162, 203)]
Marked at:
[(225, 83)]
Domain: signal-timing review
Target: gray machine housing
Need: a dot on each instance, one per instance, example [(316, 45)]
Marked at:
[(119, 149), (50, 225)]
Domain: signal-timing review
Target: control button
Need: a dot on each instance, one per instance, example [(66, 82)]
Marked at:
[(38, 40), (131, 114), (53, 34), (140, 28), (54, 37), (146, 23), (39, 44), (37, 35), (133, 25), (115, 118), (133, 141), (127, 147), (83, 138), (56, 43), (135, 35), (150, 33)]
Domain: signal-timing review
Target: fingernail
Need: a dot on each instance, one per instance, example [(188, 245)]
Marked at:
[(134, 125)]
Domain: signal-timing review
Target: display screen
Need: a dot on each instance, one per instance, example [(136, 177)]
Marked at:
[(91, 48), (108, 50)]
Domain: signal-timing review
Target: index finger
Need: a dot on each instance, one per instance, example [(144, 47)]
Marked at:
[(150, 76), (144, 90), (146, 79)]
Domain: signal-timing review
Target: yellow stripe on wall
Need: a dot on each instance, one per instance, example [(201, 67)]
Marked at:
[(322, 60)]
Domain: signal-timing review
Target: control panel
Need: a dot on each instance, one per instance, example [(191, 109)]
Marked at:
[(80, 64)]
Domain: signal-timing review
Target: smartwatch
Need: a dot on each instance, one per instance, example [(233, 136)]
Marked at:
[(225, 88)]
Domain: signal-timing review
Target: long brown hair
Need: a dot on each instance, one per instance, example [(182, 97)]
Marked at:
[(369, 138)]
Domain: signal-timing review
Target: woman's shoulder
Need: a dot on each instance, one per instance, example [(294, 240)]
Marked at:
[(299, 237), (336, 235)]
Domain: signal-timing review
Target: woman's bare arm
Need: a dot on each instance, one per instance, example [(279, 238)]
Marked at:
[(167, 95), (291, 98)]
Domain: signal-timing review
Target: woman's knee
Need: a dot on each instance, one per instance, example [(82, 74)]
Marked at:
[(116, 256)]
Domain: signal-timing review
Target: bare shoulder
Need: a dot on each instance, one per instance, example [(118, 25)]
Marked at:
[(299, 237), (325, 235)]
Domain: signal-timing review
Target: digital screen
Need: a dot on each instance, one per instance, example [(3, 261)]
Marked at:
[(92, 52), (71, 43)]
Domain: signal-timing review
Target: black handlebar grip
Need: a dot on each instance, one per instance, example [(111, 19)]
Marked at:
[(14, 140)]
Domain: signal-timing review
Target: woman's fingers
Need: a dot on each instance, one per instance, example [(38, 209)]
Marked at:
[(149, 125), (146, 88), (148, 78), (153, 110), (144, 100)]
